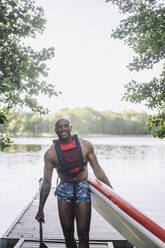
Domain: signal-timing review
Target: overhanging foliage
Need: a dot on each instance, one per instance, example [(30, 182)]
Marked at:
[(143, 30), (22, 70)]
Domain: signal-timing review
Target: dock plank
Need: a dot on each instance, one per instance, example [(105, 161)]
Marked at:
[(54, 244)]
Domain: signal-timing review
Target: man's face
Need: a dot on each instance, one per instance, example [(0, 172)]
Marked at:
[(63, 129)]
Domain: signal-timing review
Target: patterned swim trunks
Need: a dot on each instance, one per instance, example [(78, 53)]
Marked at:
[(69, 192)]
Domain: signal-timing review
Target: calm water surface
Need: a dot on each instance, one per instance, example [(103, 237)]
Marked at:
[(134, 165)]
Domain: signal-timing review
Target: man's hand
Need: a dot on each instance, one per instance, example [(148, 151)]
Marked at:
[(40, 216)]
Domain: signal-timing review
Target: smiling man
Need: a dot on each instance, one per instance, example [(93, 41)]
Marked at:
[(69, 155)]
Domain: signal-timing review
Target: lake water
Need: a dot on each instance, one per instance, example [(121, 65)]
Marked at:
[(134, 165)]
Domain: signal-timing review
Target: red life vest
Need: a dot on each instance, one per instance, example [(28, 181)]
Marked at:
[(70, 157)]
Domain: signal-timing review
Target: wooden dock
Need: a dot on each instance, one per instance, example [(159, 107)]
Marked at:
[(24, 232)]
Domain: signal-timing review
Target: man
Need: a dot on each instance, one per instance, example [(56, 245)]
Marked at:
[(69, 156)]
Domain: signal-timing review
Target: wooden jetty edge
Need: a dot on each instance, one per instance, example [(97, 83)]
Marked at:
[(24, 232)]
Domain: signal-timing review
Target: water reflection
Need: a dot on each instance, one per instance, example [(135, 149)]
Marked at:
[(23, 148), (129, 152), (103, 151), (108, 151)]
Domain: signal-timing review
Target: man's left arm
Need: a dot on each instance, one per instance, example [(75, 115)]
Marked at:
[(97, 169)]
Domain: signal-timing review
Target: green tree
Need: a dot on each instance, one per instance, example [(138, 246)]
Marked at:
[(143, 30), (22, 70)]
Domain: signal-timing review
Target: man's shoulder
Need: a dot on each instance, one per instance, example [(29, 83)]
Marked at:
[(49, 153), (86, 143)]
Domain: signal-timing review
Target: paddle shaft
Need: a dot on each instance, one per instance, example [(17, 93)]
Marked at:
[(41, 232)]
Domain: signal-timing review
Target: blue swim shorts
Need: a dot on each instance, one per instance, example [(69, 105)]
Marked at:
[(73, 192)]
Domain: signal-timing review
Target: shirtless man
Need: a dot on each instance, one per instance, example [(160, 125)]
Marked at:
[(69, 156)]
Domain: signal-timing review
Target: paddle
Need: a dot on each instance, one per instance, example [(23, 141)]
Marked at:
[(42, 245)]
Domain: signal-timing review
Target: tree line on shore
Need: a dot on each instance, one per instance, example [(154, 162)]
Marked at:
[(84, 121)]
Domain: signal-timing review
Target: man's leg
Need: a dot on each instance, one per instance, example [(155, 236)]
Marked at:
[(66, 214), (83, 217)]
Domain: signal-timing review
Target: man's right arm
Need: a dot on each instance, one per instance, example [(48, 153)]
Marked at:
[(45, 189), (97, 169)]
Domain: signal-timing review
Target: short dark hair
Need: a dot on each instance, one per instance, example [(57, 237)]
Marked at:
[(60, 119)]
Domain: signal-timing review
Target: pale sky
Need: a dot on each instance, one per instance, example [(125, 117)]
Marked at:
[(89, 66)]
